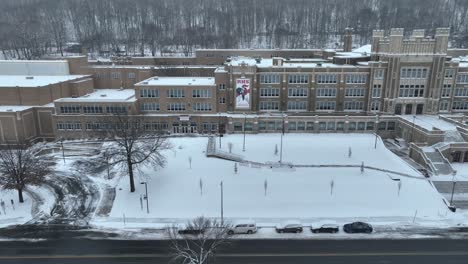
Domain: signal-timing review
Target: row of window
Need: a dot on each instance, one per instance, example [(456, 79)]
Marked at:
[(413, 73), (115, 75), (310, 126), (93, 109), (175, 93), (411, 90), (356, 78), (321, 78), (355, 92), (462, 78)]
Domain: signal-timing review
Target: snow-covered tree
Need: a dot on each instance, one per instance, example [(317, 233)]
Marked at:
[(190, 161), (265, 186), (200, 242), (22, 166), (349, 152), (200, 184), (332, 186)]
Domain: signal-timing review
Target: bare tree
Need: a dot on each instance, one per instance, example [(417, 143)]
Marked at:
[(21, 166), (133, 147), (198, 242)]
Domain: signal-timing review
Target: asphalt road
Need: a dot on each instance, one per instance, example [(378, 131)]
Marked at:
[(81, 251)]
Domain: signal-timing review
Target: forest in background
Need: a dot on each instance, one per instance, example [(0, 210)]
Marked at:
[(32, 28)]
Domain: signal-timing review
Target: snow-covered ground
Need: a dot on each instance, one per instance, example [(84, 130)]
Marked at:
[(272, 195)]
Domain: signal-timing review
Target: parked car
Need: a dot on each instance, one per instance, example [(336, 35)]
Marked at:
[(190, 231), (358, 227), (289, 227), (243, 227), (327, 228)]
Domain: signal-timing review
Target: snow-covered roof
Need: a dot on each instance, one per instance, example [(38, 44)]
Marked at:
[(364, 49), (35, 80), (14, 108), (292, 63), (147, 67), (178, 81), (34, 67), (104, 95)]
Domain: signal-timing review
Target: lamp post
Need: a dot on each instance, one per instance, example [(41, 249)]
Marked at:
[(219, 129), (222, 203), (146, 196), (245, 120), (282, 133), (454, 173), (412, 129), (376, 131)]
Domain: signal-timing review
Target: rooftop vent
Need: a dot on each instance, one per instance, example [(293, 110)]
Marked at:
[(103, 95), (156, 78), (29, 77), (9, 110), (319, 64), (193, 80), (144, 83)]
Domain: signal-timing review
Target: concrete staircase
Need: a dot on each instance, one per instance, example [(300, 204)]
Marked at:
[(439, 162)]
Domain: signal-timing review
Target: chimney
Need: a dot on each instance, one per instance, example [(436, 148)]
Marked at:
[(348, 40)]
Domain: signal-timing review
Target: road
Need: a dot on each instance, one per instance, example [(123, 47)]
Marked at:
[(80, 251)]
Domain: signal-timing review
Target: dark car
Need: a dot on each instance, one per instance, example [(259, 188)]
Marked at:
[(289, 227), (357, 227), (325, 229), (190, 231)]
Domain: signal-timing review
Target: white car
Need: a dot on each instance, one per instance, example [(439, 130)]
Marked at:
[(243, 227)]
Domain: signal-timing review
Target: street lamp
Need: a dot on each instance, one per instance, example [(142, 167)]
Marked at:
[(282, 133), (454, 173), (245, 120), (146, 196), (376, 131), (219, 129), (412, 129), (222, 203)]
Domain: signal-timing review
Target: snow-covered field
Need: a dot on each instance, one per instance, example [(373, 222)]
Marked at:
[(271, 195)]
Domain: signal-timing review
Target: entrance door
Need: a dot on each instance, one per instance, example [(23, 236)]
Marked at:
[(175, 128), (398, 109), (419, 109), (456, 156), (185, 128), (409, 109)]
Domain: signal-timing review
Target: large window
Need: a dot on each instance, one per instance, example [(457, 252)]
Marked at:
[(70, 109), (413, 73), (149, 93), (460, 105), (353, 106), (116, 109), (175, 93), (375, 106), (176, 107), (92, 109), (115, 75), (269, 78), (462, 78), (356, 78), (444, 106), (461, 91), (297, 106), (449, 73), (222, 86), (201, 93), (68, 126), (378, 74), (298, 78), (297, 92), (131, 75), (149, 107), (326, 78), (155, 126), (201, 107), (445, 92), (355, 92), (326, 105), (326, 92), (269, 92), (269, 105), (411, 91), (377, 91)]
